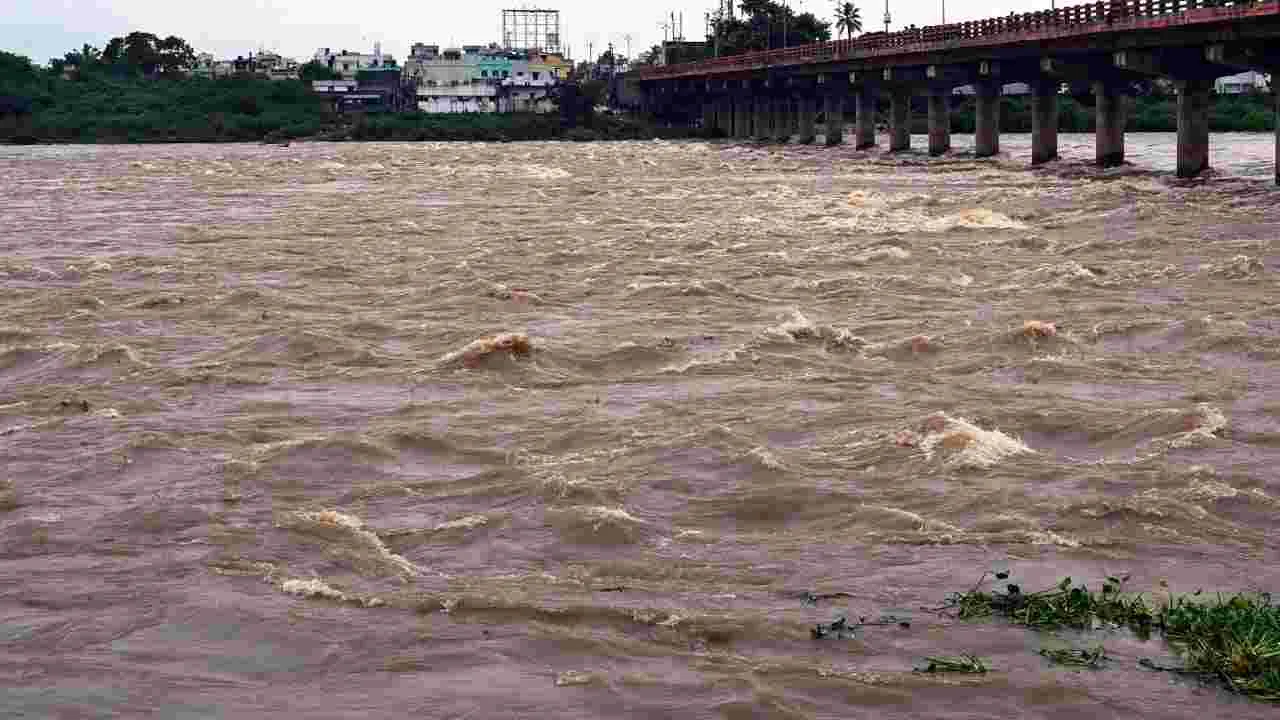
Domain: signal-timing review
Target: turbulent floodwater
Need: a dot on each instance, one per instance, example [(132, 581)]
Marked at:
[(515, 431)]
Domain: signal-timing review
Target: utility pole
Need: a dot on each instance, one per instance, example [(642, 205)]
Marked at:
[(887, 20), (944, 11)]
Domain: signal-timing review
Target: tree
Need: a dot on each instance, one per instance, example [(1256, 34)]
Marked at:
[(848, 19), (316, 70), (113, 53), (140, 51), (766, 24), (174, 55), (650, 56)]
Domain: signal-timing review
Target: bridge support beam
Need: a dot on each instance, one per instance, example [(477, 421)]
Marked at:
[(899, 120), (1110, 105), (1044, 122), (986, 138), (864, 124), (939, 122), (1193, 127), (1277, 132), (834, 130), (808, 108), (708, 117)]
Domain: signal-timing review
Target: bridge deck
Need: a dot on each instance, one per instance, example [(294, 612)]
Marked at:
[(1031, 30)]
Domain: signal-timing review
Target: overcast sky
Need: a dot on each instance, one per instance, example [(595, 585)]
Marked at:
[(42, 29)]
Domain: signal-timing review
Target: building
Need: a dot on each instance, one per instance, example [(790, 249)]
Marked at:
[(1246, 82), (483, 78), (382, 90), (347, 64), (266, 64)]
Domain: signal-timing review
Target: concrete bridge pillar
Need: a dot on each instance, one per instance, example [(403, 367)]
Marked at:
[(1193, 127), (864, 122), (1276, 74), (724, 116), (708, 116), (742, 117), (781, 120), (1110, 105), (808, 108), (1044, 122), (986, 137), (899, 120), (939, 122), (835, 120), (760, 118)]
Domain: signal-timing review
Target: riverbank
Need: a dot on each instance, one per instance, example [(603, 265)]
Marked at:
[(102, 107)]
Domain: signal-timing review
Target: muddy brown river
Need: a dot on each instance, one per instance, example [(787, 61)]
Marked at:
[(570, 430)]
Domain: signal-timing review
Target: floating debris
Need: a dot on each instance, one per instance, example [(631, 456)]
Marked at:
[(970, 664)]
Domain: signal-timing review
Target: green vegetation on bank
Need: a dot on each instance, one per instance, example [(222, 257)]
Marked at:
[(1235, 639), (115, 103), (1149, 113), (136, 90)]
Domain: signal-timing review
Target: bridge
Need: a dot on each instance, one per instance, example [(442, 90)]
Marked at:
[(1101, 49)]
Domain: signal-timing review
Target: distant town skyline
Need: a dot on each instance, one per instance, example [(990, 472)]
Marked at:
[(42, 29)]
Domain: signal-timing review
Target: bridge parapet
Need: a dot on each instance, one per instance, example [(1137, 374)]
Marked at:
[(1103, 17)]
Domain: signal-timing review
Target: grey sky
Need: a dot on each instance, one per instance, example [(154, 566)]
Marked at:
[(46, 28)]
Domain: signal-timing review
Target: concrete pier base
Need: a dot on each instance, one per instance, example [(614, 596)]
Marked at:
[(1193, 127), (864, 128), (1277, 133), (1110, 106), (806, 132), (899, 120), (986, 134), (939, 122), (1044, 123), (708, 116), (835, 120)]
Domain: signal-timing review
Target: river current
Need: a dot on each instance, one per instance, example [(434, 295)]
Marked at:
[(582, 430)]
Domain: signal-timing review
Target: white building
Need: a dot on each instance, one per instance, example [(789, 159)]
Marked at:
[(347, 63), (476, 78), (1245, 82)]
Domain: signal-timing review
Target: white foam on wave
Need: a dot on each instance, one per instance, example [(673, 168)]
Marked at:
[(967, 445), (331, 522)]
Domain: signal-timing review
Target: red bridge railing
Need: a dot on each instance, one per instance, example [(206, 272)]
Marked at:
[(1007, 29)]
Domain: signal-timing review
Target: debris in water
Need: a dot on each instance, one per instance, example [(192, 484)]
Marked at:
[(8, 495), (839, 628), (970, 445), (971, 664), (1073, 657), (1039, 329), (811, 598), (513, 344), (73, 404), (574, 677)]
